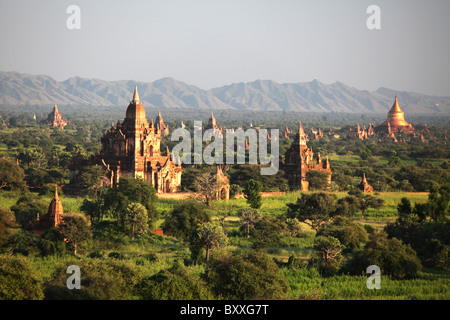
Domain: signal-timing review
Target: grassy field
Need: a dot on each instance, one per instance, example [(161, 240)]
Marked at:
[(305, 283)]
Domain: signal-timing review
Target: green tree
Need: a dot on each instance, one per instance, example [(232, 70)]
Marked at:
[(267, 233), (27, 208), (94, 209), (328, 251), (406, 214), (92, 178), (294, 226), (22, 242), (11, 176), (100, 280), (248, 218), (7, 224), (244, 276), (135, 220), (390, 254), (313, 209), (75, 229), (18, 280), (252, 192), (352, 235), (175, 283), (365, 201), (318, 180), (438, 202), (116, 200), (184, 219), (211, 236)]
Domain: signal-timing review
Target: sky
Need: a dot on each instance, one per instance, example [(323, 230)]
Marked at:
[(211, 43)]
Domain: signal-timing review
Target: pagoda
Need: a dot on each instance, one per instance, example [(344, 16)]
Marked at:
[(55, 119), (395, 122), (299, 160), (52, 219), (131, 149)]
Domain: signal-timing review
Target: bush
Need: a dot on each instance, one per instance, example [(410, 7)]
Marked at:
[(391, 255), (243, 276), (17, 280), (349, 233), (176, 283), (100, 280), (184, 219)]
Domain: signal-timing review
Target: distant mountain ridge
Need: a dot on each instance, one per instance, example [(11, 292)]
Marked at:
[(260, 95)]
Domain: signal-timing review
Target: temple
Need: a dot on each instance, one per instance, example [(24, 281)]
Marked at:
[(299, 160), (52, 219), (395, 122), (159, 122), (364, 186), (55, 119), (223, 191), (131, 149)]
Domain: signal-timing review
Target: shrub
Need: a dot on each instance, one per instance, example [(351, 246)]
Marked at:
[(252, 275), (17, 280), (349, 233), (391, 255), (100, 280), (176, 283)]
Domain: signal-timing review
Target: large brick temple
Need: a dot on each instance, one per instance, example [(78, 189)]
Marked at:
[(299, 160), (132, 149)]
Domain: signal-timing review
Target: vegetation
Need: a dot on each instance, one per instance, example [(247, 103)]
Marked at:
[(297, 245)]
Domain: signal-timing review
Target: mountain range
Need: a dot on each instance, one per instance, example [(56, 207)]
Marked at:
[(260, 95)]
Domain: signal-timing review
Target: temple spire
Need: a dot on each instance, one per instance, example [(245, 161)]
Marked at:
[(300, 128), (136, 95)]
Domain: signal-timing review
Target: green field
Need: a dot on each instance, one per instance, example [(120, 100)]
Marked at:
[(305, 283)]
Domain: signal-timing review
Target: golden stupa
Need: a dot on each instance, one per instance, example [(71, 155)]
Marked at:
[(396, 120)]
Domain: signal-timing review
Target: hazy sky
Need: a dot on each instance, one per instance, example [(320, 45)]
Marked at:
[(210, 43)]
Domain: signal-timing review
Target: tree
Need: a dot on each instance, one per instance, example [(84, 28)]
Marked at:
[(92, 178), (438, 202), (18, 280), (406, 213), (267, 233), (11, 176), (94, 209), (294, 226), (252, 190), (135, 220), (318, 180), (206, 186), (184, 219), (75, 229), (313, 209), (7, 224), (27, 208), (249, 217), (100, 280), (329, 252), (211, 236), (175, 283), (244, 276), (352, 235), (390, 254), (116, 200), (365, 201)]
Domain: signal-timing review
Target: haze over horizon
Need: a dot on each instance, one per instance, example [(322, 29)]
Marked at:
[(214, 43)]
